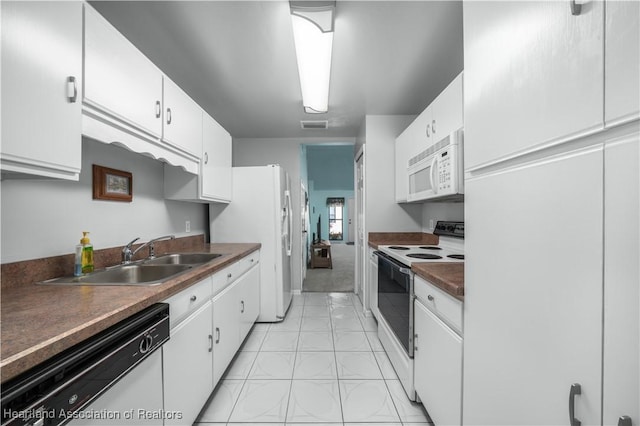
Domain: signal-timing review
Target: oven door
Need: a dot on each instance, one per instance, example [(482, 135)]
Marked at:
[(395, 299)]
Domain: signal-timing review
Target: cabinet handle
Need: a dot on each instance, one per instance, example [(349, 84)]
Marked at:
[(72, 89), (624, 421), (428, 130), (217, 335), (229, 275), (168, 115), (193, 298), (158, 109), (206, 158), (242, 306), (430, 298), (415, 342), (576, 8), (210, 343), (433, 126), (576, 389)]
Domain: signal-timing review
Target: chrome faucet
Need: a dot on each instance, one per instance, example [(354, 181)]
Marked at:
[(128, 253)]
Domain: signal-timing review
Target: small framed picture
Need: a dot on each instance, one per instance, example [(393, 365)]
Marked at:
[(112, 184)]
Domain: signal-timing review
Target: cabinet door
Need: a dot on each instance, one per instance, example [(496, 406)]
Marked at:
[(215, 171), (41, 108), (373, 284), (533, 74), (402, 149), (533, 304), (447, 111), (118, 78), (226, 329), (188, 364), (182, 120), (622, 61), (438, 367), (621, 387), (132, 400), (250, 301)]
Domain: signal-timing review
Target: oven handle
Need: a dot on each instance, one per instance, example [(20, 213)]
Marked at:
[(394, 263)]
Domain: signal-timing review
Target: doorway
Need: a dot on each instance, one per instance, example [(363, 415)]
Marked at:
[(329, 182)]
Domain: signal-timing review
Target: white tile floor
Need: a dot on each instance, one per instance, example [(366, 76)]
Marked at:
[(322, 364)]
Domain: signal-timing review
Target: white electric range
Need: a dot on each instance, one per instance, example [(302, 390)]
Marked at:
[(396, 294)]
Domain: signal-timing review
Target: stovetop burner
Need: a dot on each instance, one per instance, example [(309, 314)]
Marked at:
[(398, 248), (456, 256), (430, 248), (424, 256)]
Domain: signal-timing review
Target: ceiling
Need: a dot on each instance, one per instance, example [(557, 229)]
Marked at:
[(237, 59)]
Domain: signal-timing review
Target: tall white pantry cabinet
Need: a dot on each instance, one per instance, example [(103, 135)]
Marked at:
[(552, 195)]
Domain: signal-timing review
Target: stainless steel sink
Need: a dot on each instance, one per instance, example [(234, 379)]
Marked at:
[(183, 259), (133, 274)]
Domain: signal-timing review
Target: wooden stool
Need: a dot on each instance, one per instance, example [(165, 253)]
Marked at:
[(321, 255)]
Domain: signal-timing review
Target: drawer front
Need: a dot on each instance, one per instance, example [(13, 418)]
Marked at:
[(244, 264), (188, 300), (440, 303)]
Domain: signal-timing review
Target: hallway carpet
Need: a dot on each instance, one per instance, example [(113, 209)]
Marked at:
[(338, 279)]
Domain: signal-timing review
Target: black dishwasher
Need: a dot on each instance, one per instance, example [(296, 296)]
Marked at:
[(50, 393)]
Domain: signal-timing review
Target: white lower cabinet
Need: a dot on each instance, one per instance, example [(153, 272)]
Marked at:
[(250, 300), (226, 329), (373, 283), (134, 400), (188, 364), (437, 361)]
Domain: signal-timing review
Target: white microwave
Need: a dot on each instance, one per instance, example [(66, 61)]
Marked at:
[(437, 172)]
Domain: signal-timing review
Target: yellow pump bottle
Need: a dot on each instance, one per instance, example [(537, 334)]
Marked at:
[(87, 253)]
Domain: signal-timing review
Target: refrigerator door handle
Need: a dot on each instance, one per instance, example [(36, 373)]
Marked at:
[(289, 219)]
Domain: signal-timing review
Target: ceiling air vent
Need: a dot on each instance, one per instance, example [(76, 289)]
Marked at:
[(314, 124)]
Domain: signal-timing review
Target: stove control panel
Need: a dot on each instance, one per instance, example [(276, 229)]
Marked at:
[(449, 229)]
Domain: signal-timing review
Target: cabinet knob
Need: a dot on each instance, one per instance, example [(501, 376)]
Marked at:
[(210, 343), (158, 109), (430, 298), (428, 130), (168, 115), (433, 126), (242, 306), (576, 389), (72, 89), (193, 298), (206, 158), (229, 275), (217, 335), (624, 421), (576, 8)]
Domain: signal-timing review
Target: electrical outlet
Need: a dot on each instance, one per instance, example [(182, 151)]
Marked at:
[(187, 226), (431, 224)]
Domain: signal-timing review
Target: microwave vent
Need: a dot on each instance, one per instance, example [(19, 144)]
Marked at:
[(314, 124), (427, 152)]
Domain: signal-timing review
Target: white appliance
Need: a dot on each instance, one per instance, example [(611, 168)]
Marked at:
[(260, 212), (396, 294), (437, 172)]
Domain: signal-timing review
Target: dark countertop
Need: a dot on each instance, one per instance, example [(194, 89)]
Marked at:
[(448, 276), (40, 321)]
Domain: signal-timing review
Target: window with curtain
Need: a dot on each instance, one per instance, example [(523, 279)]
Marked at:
[(336, 215)]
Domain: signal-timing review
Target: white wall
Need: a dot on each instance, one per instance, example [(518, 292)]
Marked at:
[(286, 152), (440, 211), (383, 214), (42, 218)]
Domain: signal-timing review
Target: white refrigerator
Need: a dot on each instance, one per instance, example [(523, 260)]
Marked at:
[(260, 212)]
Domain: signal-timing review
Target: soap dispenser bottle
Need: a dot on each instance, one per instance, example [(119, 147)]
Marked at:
[(87, 253)]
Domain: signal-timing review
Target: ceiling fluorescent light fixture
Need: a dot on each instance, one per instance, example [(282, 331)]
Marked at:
[(313, 37)]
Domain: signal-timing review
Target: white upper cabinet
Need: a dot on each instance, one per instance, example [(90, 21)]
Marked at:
[(533, 76), (447, 111), (182, 120), (622, 62), (119, 79), (41, 88), (216, 161), (213, 183)]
